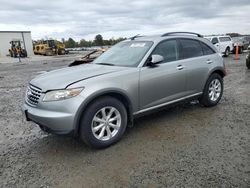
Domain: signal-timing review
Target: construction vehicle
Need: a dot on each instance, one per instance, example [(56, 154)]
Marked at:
[(16, 49), (49, 47)]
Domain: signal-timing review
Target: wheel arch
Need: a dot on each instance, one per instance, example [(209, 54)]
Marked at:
[(111, 93), (219, 71)]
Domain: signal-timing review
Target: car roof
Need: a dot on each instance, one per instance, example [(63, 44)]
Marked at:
[(158, 38), (173, 35)]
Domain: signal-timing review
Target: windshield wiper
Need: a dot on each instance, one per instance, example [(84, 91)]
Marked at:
[(110, 64)]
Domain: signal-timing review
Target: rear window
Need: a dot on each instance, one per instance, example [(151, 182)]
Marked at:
[(224, 39), (206, 49), (190, 48)]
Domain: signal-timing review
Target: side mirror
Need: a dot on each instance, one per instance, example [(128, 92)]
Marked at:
[(156, 59)]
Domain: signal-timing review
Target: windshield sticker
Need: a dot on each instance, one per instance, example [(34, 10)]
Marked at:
[(137, 45)]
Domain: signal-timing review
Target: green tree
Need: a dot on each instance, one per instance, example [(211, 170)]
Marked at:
[(84, 43), (234, 34), (70, 43), (98, 40), (106, 42)]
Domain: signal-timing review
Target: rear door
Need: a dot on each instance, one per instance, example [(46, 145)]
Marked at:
[(198, 58), (163, 82)]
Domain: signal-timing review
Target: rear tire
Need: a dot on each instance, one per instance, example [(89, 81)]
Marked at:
[(227, 52), (240, 50), (213, 91), (248, 62), (99, 128)]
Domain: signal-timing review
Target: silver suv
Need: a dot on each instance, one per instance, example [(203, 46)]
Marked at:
[(97, 101)]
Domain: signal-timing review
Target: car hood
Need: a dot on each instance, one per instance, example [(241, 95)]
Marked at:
[(62, 78)]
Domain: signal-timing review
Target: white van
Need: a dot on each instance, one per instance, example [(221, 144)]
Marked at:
[(223, 44)]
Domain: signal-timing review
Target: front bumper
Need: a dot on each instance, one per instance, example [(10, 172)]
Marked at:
[(53, 121)]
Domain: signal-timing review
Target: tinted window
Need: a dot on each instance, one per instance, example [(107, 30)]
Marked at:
[(206, 49), (168, 49), (224, 39), (215, 41), (190, 48)]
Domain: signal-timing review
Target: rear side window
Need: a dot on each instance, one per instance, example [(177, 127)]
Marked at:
[(224, 39), (168, 49), (206, 49), (190, 48)]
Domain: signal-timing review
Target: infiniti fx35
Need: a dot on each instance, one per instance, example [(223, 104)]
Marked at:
[(97, 101)]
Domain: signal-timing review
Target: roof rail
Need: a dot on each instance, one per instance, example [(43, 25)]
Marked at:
[(134, 37), (174, 33)]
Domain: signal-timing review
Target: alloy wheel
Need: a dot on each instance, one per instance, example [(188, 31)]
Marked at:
[(106, 123), (214, 90)]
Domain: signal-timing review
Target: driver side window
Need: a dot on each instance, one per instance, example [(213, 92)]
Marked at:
[(168, 49), (215, 41)]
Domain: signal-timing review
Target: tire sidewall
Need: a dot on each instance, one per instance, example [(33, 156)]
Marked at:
[(206, 100), (227, 52), (86, 133), (248, 62)]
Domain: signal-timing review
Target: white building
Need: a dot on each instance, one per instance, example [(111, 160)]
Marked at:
[(7, 36)]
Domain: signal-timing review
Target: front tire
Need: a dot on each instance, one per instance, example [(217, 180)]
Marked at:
[(61, 52), (103, 123), (213, 91)]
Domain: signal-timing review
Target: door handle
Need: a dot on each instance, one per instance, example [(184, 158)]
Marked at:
[(209, 61), (180, 67)]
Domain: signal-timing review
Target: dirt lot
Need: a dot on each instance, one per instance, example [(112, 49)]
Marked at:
[(184, 146)]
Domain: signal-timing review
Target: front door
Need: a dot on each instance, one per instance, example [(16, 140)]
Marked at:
[(216, 43), (163, 82)]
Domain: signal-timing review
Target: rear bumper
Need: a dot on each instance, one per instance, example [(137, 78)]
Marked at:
[(50, 121)]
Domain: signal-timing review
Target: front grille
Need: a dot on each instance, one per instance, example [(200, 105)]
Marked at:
[(33, 94)]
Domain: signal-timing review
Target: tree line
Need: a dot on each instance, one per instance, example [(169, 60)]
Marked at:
[(98, 41)]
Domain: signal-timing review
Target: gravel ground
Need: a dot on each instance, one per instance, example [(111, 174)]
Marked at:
[(184, 146)]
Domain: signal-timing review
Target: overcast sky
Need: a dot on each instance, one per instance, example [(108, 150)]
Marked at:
[(84, 19)]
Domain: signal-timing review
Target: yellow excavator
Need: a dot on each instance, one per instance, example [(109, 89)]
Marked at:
[(16, 49), (49, 47)]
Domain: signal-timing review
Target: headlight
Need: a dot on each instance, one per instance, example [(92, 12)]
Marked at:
[(61, 94)]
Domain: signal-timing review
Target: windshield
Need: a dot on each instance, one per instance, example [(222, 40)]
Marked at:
[(126, 53), (237, 39)]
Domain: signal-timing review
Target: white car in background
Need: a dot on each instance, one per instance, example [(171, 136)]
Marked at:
[(223, 44)]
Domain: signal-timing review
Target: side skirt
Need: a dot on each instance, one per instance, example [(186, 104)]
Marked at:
[(138, 113)]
